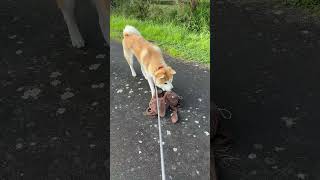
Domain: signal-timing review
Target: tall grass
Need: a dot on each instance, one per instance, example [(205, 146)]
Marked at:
[(180, 14), (312, 6), (176, 41), (176, 28), (305, 3)]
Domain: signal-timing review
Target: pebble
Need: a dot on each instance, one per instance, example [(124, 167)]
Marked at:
[(207, 133), (61, 110), (67, 95), (94, 66), (252, 156), (55, 82), (197, 122), (19, 146), (20, 89), (289, 121), (100, 56), (31, 93), (140, 142), (278, 149), (120, 91), (33, 143), (92, 146), (168, 132), (19, 51), (197, 172), (301, 176), (94, 86), (269, 161), (94, 103), (175, 149), (55, 74), (12, 36)]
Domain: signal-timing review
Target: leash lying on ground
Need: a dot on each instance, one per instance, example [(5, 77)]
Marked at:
[(167, 100), (221, 140), (158, 106), (163, 174)]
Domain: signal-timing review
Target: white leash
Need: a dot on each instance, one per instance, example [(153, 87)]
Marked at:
[(163, 174)]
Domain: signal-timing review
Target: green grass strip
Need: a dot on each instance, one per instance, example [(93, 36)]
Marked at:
[(173, 40)]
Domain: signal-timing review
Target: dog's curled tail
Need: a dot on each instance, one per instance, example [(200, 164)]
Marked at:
[(129, 30)]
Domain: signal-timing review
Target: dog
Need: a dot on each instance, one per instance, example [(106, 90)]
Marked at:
[(149, 56), (67, 8)]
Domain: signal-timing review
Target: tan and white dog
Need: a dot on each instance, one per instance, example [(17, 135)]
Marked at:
[(150, 58), (67, 8)]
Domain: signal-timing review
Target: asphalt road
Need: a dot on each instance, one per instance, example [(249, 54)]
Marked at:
[(134, 147), (266, 71)]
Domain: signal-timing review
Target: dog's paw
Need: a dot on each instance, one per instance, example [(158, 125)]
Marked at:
[(77, 41), (134, 74)]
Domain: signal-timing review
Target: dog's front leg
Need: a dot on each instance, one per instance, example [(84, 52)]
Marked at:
[(67, 9), (102, 7), (151, 84), (144, 73)]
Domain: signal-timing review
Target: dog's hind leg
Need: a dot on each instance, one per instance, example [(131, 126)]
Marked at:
[(103, 9), (129, 57), (67, 9)]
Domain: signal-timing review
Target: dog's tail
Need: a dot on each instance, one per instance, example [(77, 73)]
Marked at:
[(129, 30)]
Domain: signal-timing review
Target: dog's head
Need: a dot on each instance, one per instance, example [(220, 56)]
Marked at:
[(164, 77)]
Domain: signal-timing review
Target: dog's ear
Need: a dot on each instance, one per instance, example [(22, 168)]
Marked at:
[(171, 71), (159, 73)]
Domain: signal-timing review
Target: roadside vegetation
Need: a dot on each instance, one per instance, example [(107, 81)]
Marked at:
[(181, 28), (311, 5)]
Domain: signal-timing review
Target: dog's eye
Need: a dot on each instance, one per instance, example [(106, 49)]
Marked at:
[(165, 83)]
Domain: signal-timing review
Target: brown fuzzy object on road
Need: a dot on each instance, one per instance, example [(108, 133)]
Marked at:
[(166, 100)]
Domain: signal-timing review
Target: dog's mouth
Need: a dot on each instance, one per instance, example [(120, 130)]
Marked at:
[(160, 90)]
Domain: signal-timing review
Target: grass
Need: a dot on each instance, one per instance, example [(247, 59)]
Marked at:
[(312, 6), (174, 40)]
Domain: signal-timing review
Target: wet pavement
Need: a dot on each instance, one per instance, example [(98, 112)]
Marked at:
[(134, 147), (266, 71)]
